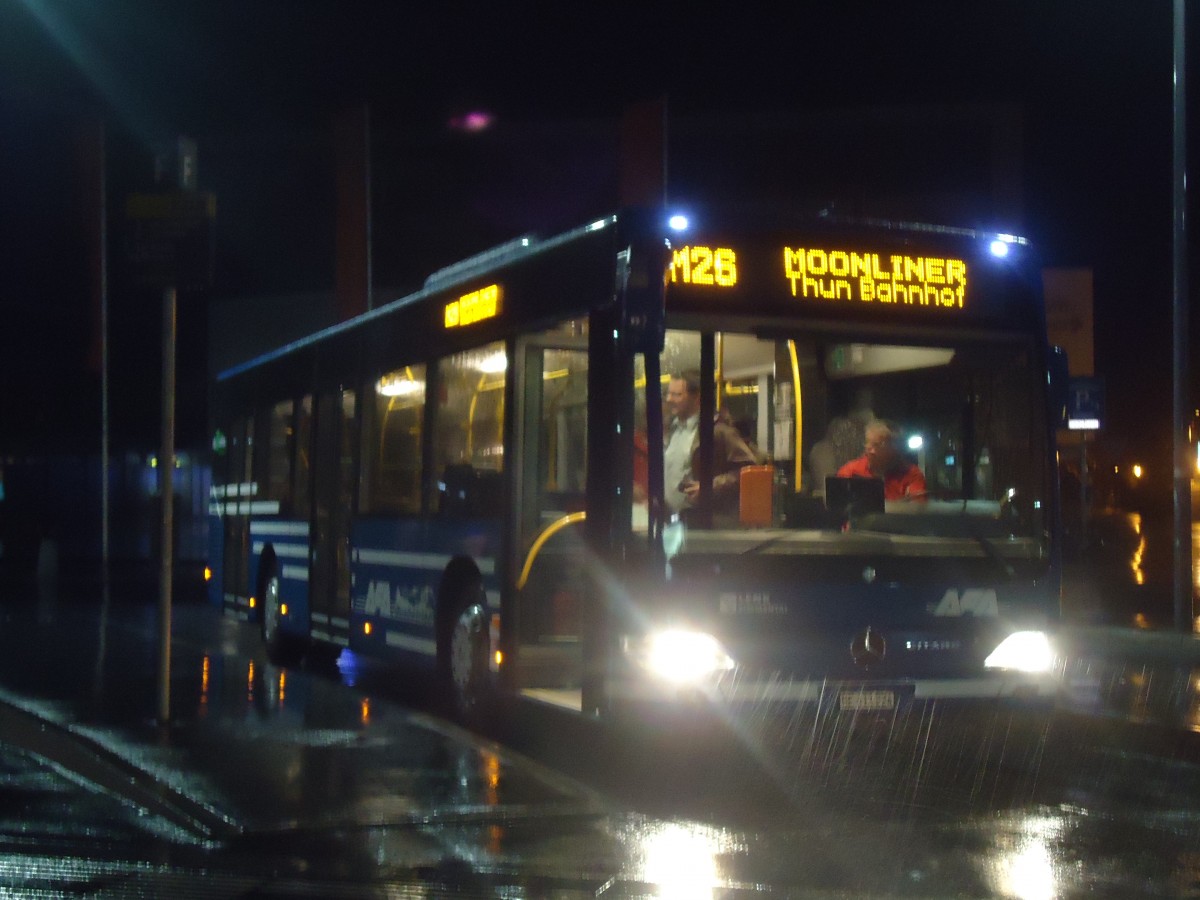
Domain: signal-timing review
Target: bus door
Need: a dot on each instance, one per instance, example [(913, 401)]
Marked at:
[(550, 490), (334, 455)]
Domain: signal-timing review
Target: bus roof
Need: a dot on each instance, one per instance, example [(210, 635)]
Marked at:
[(441, 280)]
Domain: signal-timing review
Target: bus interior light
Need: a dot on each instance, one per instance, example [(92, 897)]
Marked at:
[(1022, 651)]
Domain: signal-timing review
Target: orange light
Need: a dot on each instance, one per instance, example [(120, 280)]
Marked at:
[(283, 609), (716, 266), (207, 574), (847, 275), (473, 307), (253, 603), (366, 627), (499, 657), (1137, 470)]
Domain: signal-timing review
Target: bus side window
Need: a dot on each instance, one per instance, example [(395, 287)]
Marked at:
[(278, 453), (466, 492), (302, 459), (393, 433), (468, 431)]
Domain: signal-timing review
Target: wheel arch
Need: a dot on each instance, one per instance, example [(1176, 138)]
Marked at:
[(266, 562)]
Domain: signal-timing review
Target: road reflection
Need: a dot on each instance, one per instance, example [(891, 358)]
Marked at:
[(680, 858), (1024, 865)]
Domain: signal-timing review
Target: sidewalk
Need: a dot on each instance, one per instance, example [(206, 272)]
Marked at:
[(251, 749)]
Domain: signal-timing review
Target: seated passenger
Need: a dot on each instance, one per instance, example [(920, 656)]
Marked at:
[(902, 479)]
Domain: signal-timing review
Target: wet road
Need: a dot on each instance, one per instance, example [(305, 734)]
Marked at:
[(341, 780)]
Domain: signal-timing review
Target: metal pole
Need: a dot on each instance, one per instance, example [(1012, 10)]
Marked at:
[(166, 481), (1085, 502), (104, 414), (1182, 479)]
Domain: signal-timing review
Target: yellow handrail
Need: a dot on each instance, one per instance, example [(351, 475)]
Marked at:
[(548, 532), (797, 415)]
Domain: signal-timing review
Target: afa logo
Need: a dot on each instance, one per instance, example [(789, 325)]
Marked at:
[(970, 602), (404, 603)]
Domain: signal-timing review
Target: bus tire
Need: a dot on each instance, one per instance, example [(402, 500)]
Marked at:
[(464, 647), (470, 680), (281, 649)]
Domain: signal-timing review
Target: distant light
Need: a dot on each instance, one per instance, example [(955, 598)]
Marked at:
[(1083, 424), (1137, 470), (474, 121), (678, 222), (916, 442), (999, 248)]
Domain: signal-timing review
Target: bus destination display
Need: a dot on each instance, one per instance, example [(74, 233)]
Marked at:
[(837, 275), (473, 307), (824, 274)]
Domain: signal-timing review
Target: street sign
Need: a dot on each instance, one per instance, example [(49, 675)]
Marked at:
[(170, 240), (1085, 403)]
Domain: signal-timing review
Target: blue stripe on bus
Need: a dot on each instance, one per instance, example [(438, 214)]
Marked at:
[(396, 589)]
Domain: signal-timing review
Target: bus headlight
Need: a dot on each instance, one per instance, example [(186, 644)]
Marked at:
[(682, 657), (1022, 651)]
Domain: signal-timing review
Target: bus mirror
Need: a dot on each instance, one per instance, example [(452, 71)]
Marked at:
[(642, 292)]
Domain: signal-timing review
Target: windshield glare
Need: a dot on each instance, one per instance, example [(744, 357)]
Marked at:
[(827, 433)]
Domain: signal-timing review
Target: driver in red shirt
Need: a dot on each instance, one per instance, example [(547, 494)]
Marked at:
[(902, 480)]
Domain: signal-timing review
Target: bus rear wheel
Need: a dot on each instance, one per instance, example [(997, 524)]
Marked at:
[(281, 649)]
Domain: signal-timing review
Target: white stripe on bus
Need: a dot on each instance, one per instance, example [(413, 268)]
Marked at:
[(241, 489), (296, 573), (417, 645), (338, 639), (245, 508), (293, 551), (403, 560), (292, 528)]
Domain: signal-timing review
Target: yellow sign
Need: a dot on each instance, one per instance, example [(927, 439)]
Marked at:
[(473, 307), (715, 266), (840, 275)]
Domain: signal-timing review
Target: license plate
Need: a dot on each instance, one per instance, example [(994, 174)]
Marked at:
[(858, 700)]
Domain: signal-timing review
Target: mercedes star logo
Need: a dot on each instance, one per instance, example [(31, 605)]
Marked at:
[(868, 649)]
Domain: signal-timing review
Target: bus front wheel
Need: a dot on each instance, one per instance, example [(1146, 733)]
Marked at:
[(470, 679)]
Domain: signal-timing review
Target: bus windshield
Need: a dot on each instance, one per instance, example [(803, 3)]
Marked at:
[(790, 439)]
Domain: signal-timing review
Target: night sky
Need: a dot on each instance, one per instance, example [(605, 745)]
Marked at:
[(1092, 80)]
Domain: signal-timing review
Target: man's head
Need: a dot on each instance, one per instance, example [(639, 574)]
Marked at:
[(882, 454), (683, 394)]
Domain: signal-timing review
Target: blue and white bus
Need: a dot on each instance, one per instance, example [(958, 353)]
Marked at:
[(472, 477)]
